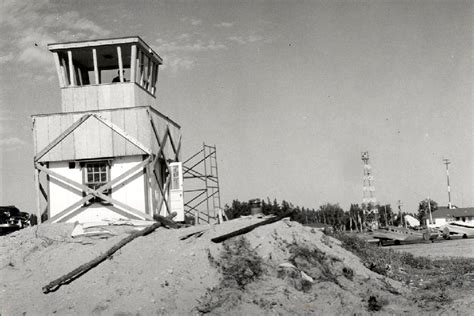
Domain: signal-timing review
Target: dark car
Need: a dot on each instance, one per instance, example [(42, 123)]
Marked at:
[(11, 219)]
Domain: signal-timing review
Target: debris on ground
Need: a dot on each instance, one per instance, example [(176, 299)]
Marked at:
[(278, 268)]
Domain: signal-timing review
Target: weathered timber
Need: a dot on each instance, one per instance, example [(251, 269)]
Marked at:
[(166, 221), (74, 274), (196, 234), (250, 228)]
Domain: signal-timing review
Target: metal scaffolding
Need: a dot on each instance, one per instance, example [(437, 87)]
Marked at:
[(202, 200)]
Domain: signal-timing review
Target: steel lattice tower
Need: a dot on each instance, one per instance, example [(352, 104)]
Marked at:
[(368, 188)]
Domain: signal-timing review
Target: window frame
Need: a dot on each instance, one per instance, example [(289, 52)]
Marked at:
[(96, 184)]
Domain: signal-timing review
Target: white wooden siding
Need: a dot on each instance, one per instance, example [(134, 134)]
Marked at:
[(131, 192), (94, 139), (104, 96), (60, 195)]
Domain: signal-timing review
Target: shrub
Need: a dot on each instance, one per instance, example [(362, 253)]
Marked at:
[(430, 276), (374, 258), (374, 304), (308, 259), (415, 262), (238, 263), (348, 273)]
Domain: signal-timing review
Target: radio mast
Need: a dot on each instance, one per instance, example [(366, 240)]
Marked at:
[(368, 188)]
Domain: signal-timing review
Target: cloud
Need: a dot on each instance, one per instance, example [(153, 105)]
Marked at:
[(46, 77), (11, 143), (33, 48), (237, 39), (184, 37), (192, 21), (185, 45), (32, 25), (6, 58), (182, 51), (224, 24), (246, 39), (196, 22), (175, 63)]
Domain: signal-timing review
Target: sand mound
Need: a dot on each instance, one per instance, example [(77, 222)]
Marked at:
[(304, 272)]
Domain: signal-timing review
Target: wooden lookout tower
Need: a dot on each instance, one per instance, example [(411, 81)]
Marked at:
[(109, 153)]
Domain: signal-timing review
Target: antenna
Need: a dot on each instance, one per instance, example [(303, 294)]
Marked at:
[(447, 162), (368, 189)]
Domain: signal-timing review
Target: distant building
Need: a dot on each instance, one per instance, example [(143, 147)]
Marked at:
[(444, 215), (110, 154)]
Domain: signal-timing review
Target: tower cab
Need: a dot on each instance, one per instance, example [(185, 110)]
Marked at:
[(104, 74)]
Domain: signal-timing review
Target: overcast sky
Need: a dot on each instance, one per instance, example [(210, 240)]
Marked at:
[(290, 92)]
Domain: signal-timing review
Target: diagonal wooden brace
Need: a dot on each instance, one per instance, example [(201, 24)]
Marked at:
[(122, 133), (168, 181), (171, 140), (78, 123), (63, 135), (155, 130), (178, 149), (163, 195), (164, 188), (98, 192), (45, 195), (162, 148)]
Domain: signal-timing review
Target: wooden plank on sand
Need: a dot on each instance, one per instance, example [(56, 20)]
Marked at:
[(250, 228), (76, 273)]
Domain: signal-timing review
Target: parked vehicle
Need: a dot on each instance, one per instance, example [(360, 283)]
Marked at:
[(12, 219), (401, 234), (457, 229)]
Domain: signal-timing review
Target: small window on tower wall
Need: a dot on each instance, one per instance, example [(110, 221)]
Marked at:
[(96, 174)]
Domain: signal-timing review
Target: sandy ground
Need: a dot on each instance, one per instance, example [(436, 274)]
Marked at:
[(159, 274), (440, 248)]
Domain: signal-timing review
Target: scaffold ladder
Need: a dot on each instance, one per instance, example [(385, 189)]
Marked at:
[(202, 192)]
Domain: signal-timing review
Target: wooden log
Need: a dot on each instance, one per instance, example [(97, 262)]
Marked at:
[(197, 234), (165, 221), (250, 228), (74, 274)]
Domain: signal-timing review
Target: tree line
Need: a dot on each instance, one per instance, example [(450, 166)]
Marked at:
[(356, 218)]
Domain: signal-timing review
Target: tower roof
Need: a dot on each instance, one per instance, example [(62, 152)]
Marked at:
[(107, 56)]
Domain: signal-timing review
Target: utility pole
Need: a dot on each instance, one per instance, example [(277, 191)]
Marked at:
[(402, 219), (429, 210), (447, 162)]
